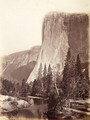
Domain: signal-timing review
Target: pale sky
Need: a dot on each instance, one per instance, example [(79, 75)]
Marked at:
[(21, 21)]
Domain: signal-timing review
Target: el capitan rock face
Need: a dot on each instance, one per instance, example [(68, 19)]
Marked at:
[(62, 31), (18, 66)]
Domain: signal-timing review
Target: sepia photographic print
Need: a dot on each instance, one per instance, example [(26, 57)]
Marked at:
[(44, 59)]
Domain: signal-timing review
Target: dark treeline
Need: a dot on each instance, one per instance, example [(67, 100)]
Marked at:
[(15, 89)]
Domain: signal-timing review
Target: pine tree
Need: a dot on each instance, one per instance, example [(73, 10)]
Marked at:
[(34, 89), (68, 75), (57, 82), (78, 77), (78, 70), (45, 71), (49, 72), (80, 89), (49, 79), (45, 83), (23, 91)]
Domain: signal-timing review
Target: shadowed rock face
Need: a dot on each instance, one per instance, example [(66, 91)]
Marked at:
[(61, 31), (18, 66), (78, 35)]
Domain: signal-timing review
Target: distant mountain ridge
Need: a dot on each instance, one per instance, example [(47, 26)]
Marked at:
[(18, 66)]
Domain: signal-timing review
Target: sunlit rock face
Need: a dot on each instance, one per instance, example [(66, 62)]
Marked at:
[(61, 31), (18, 66)]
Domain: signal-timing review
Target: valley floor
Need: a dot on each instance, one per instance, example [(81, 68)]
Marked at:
[(15, 109)]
